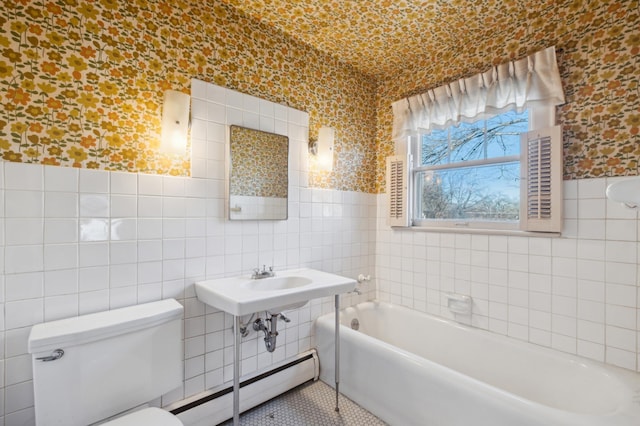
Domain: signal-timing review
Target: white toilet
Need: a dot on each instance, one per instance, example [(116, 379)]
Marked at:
[(92, 368)]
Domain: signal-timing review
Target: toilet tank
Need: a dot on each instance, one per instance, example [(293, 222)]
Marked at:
[(113, 361)]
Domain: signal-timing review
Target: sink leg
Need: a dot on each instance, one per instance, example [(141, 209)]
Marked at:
[(236, 371), (337, 347)]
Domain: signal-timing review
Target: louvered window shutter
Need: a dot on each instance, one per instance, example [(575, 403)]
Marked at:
[(541, 190), (397, 189)]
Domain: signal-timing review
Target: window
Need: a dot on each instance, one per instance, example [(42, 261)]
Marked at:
[(494, 173), (468, 175), (478, 174)]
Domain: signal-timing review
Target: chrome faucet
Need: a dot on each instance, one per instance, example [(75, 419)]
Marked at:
[(258, 274)]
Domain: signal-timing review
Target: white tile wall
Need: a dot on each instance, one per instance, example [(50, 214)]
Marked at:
[(577, 293), (79, 241)]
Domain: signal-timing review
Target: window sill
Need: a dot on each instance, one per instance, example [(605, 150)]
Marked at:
[(477, 231)]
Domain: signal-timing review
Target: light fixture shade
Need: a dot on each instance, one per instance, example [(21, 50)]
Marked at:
[(326, 136), (175, 122)]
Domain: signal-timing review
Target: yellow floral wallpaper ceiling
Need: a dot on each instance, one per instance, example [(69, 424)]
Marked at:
[(81, 81), (412, 45), (598, 45), (380, 37)]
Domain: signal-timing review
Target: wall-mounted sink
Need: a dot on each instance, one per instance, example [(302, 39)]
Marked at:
[(289, 289)]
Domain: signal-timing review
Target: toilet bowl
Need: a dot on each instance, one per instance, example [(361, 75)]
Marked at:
[(90, 368)]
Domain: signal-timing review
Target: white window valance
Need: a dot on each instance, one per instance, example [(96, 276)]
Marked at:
[(528, 82)]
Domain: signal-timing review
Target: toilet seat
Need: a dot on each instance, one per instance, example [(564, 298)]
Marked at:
[(152, 416)]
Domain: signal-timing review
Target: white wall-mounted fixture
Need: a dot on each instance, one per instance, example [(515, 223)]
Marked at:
[(323, 148), (362, 278), (258, 387), (625, 191), (459, 303), (175, 122)]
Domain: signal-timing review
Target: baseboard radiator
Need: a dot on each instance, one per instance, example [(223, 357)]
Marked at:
[(216, 406)]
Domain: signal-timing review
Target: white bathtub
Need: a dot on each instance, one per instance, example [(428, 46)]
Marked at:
[(410, 368)]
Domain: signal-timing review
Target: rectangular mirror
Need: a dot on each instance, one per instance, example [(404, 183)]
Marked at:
[(258, 174)]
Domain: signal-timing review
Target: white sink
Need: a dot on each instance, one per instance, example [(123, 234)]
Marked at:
[(289, 289), (277, 283)]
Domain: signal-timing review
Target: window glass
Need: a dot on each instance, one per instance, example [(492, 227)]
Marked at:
[(497, 136), (435, 147), (503, 133), (448, 187), (486, 193), (466, 142)]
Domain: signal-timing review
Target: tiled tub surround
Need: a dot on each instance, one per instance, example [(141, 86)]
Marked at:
[(77, 241), (577, 293)]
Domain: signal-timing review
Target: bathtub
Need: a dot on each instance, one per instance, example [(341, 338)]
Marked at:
[(410, 368)]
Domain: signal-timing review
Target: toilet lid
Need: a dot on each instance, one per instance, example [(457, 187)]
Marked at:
[(152, 416)]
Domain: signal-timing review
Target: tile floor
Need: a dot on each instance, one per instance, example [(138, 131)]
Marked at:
[(310, 404)]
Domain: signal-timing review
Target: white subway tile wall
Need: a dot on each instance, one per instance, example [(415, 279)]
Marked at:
[(577, 293), (74, 242)]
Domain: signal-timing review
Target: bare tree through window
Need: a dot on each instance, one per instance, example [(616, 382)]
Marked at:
[(449, 188)]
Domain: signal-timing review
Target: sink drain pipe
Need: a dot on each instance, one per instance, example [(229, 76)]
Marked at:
[(271, 331)]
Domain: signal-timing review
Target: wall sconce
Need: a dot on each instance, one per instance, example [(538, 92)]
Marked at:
[(175, 122), (323, 148)]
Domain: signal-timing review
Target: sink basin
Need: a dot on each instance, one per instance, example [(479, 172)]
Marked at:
[(289, 289), (277, 283)]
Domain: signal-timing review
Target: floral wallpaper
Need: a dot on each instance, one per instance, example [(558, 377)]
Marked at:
[(259, 163), (598, 44), (81, 86), (81, 82), (381, 37)]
